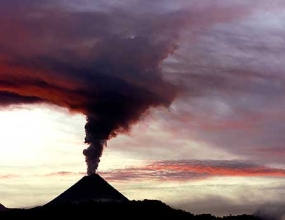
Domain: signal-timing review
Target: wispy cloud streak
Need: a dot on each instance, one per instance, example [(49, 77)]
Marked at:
[(193, 170)]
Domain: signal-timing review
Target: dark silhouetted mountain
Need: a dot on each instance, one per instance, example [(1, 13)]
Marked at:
[(91, 187), (92, 197), (2, 208), (146, 209)]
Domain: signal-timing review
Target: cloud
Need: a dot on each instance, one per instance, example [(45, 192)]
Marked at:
[(220, 63), (216, 205), (182, 170), (54, 56), (53, 174), (271, 211), (192, 170), (234, 87), (48, 46), (222, 205), (63, 173), (8, 176), (105, 63)]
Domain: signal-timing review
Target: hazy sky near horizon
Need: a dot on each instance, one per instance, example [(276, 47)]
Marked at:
[(202, 85)]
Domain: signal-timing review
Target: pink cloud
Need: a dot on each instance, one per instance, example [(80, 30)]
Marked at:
[(64, 173), (8, 176), (192, 170)]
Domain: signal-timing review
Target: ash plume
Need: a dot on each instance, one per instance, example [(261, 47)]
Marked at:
[(81, 61)]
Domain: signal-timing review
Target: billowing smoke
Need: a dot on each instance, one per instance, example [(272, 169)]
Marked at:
[(82, 61)]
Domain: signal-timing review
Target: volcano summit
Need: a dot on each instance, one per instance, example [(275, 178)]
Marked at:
[(92, 187)]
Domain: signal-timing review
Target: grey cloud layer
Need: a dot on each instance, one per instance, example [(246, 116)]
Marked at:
[(233, 80)]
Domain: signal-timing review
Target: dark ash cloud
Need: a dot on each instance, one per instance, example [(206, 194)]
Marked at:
[(78, 60)]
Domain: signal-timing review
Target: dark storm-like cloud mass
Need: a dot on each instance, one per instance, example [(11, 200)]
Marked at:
[(76, 54), (80, 61), (48, 57)]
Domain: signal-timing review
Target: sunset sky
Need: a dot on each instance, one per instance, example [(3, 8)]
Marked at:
[(189, 94)]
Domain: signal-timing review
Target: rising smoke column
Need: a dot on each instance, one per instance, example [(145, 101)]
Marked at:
[(123, 100), (52, 56)]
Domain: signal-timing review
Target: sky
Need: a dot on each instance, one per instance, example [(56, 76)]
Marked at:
[(180, 101)]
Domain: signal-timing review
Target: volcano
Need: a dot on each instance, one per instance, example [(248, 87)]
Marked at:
[(92, 187), (2, 208)]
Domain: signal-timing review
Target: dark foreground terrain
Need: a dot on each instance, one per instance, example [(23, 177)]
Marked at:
[(146, 209)]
